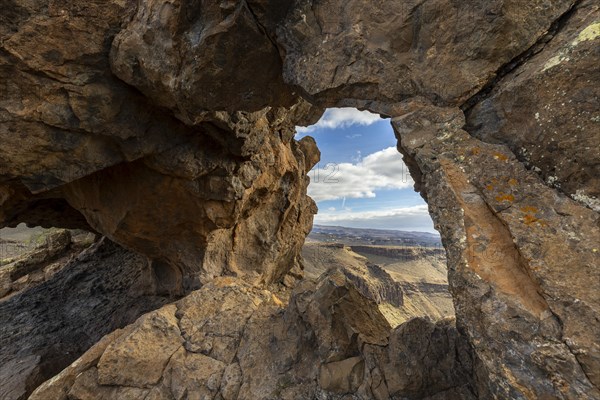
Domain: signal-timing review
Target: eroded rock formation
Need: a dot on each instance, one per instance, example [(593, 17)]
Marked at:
[(168, 127), (229, 340), (47, 327), (399, 295), (518, 263), (78, 142)]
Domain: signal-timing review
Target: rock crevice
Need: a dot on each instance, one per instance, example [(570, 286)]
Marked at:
[(513, 65), (244, 343)]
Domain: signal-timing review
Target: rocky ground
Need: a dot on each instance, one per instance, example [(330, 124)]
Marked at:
[(230, 340), (416, 261), (218, 331), (66, 302), (30, 256), (419, 276)]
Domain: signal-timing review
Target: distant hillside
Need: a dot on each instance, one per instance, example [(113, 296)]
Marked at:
[(415, 260), (19, 240), (357, 236)]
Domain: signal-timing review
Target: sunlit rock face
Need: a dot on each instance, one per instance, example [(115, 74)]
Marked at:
[(230, 201), (168, 127), (230, 340), (83, 149), (547, 113), (519, 263)]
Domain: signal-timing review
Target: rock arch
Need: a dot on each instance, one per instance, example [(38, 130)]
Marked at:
[(169, 128)]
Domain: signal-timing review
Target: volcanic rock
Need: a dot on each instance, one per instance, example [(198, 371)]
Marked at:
[(49, 325), (168, 125), (517, 261), (547, 113), (230, 340)]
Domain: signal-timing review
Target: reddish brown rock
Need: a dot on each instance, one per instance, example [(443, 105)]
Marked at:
[(230, 340), (240, 202), (518, 263), (548, 111), (98, 155)]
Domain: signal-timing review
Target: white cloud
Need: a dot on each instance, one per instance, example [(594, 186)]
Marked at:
[(414, 218), (341, 118), (381, 170)]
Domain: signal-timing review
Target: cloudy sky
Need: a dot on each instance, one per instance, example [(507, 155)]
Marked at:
[(361, 180)]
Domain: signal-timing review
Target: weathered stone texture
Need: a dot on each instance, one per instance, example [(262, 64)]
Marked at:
[(548, 111), (230, 340), (167, 125), (519, 265), (47, 327), (77, 142)]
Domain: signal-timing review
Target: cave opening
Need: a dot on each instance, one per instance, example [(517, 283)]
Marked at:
[(370, 215), (168, 278)]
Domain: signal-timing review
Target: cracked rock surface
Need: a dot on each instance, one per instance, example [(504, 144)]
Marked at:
[(519, 266), (230, 340), (82, 149), (46, 327), (547, 111)]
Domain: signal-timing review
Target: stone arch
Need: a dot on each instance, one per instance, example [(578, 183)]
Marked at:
[(212, 138)]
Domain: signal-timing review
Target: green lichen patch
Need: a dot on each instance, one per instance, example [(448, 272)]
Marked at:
[(591, 32)]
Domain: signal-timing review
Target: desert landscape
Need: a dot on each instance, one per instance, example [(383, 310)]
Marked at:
[(414, 261)]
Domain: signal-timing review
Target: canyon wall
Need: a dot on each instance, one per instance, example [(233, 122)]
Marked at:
[(168, 126)]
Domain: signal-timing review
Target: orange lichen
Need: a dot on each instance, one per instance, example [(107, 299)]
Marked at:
[(529, 220), (500, 156), (505, 197), (505, 270), (490, 187), (512, 182)]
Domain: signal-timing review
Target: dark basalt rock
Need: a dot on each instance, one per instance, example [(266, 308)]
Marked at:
[(47, 327)]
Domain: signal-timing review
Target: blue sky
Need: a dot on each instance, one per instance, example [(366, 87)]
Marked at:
[(361, 181)]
